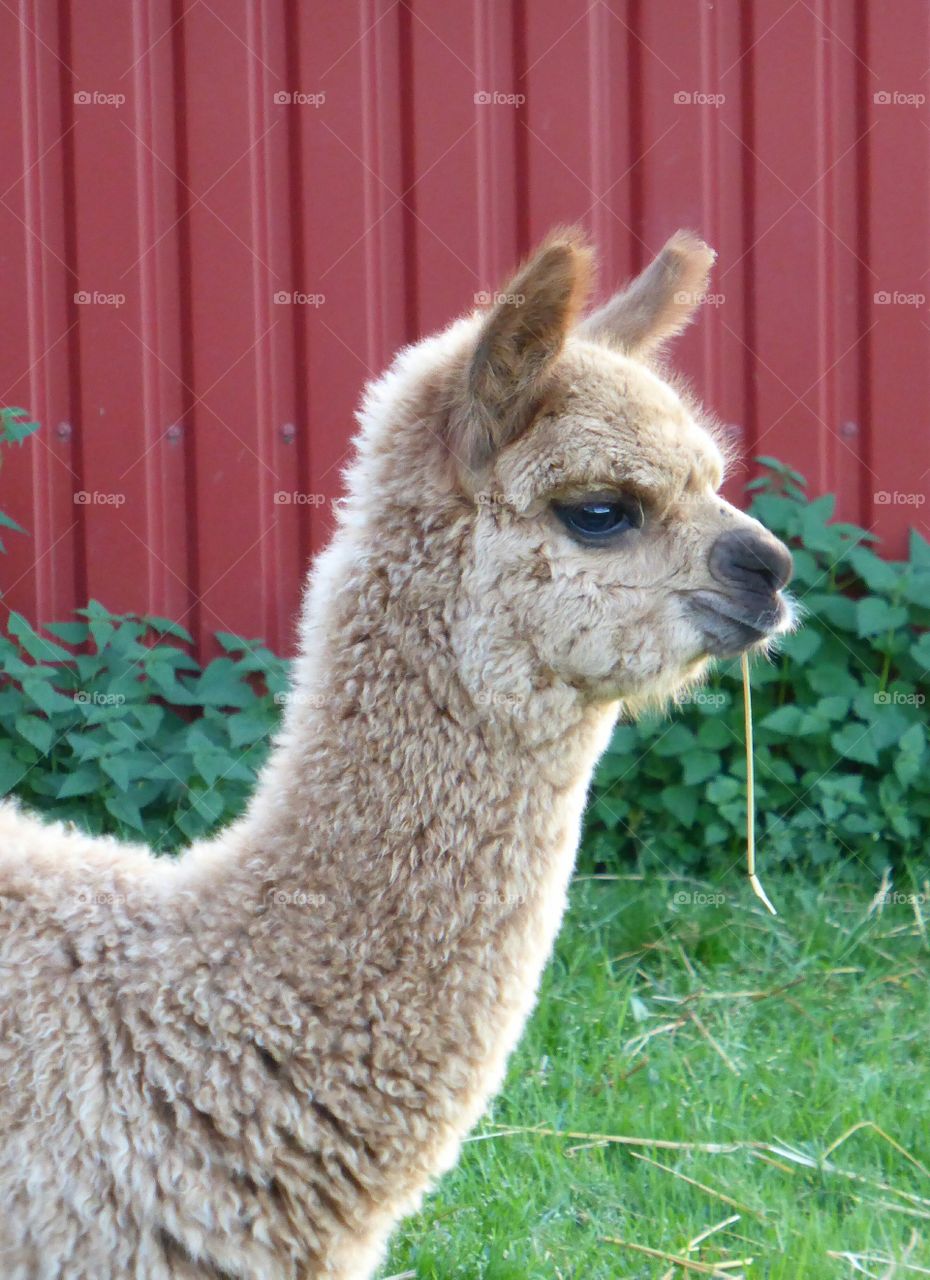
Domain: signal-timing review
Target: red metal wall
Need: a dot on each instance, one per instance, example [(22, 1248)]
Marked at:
[(147, 162)]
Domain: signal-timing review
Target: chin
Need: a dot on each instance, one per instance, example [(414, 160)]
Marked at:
[(659, 694), (728, 629)]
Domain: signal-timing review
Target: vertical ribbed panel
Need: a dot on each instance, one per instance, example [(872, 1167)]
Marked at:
[(251, 262)]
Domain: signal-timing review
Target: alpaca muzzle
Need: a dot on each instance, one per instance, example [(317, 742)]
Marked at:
[(751, 569)]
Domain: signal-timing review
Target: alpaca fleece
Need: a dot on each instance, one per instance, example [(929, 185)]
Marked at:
[(252, 1060)]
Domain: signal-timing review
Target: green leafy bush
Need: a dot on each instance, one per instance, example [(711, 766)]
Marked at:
[(15, 426), (113, 724), (842, 764)]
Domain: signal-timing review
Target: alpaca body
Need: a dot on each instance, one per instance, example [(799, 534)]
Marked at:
[(252, 1061), (249, 1064)]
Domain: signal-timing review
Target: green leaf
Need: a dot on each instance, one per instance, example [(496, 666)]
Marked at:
[(699, 766), (780, 468), (801, 646), (83, 781), (46, 698), (37, 731), (877, 574), (839, 612), (854, 742), (118, 768), (16, 424), (682, 803), (914, 739), (165, 627), (827, 678), (38, 647), (209, 805), (71, 632), (11, 770), (920, 650), (919, 550), (674, 741), (874, 615), (220, 686), (784, 720), (714, 734), (9, 523), (125, 810)]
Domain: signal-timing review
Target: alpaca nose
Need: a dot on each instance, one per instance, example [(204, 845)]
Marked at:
[(750, 561)]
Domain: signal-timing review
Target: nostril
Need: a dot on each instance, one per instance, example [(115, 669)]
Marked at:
[(756, 562)]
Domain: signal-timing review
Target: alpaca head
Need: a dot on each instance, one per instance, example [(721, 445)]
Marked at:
[(593, 549)]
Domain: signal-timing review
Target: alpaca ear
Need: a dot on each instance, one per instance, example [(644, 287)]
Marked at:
[(517, 347), (659, 303)]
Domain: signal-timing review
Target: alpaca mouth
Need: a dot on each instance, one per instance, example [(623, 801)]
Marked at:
[(732, 624)]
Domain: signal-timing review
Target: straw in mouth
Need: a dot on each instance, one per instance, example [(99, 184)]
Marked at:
[(754, 880)]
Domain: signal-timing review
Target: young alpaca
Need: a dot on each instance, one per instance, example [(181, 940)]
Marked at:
[(251, 1061)]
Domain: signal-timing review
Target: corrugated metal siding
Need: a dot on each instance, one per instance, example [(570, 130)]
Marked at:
[(393, 192)]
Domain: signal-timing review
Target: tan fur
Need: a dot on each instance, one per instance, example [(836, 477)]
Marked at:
[(251, 1061)]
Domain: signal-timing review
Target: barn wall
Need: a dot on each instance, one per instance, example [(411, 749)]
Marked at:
[(220, 217)]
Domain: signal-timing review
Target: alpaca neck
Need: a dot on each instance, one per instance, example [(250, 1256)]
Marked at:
[(390, 768)]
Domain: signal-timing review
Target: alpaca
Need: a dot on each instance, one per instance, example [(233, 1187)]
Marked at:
[(251, 1061)]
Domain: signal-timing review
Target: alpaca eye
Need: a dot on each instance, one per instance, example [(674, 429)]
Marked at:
[(599, 519)]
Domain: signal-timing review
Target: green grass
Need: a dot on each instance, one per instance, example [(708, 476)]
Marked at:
[(840, 1037)]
